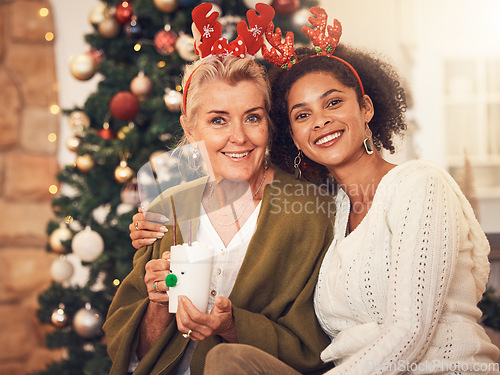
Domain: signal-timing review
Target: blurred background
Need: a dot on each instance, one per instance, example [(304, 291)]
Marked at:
[(88, 96)]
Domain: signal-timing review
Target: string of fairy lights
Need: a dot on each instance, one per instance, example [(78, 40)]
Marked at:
[(54, 109)]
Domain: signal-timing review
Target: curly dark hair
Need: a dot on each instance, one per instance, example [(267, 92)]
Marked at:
[(380, 82)]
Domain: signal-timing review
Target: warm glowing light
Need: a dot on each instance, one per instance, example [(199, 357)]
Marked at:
[(44, 12), (116, 282), (49, 37), (52, 137), (52, 189), (161, 64), (178, 88), (68, 219), (54, 109), (137, 47)]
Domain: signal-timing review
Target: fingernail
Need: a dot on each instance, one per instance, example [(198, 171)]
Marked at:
[(164, 218), (150, 240), (163, 229), (159, 235)]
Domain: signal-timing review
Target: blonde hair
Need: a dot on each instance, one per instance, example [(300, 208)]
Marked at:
[(231, 70)]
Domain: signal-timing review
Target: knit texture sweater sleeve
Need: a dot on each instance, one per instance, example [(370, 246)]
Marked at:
[(424, 219)]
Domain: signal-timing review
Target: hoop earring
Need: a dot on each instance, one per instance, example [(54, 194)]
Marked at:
[(296, 165), (368, 142)]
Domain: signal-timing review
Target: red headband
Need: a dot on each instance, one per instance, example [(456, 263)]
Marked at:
[(324, 44)]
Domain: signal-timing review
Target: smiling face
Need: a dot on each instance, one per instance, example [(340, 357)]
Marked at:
[(327, 122), (232, 122)]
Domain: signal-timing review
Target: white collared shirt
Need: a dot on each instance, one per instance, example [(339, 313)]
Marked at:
[(226, 265)]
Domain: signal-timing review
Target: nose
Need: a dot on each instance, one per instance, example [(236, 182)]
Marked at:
[(238, 135), (321, 121)]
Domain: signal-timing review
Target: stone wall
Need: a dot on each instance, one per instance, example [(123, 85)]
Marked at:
[(28, 167)]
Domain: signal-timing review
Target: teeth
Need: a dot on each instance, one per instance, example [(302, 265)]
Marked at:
[(234, 155), (328, 138)]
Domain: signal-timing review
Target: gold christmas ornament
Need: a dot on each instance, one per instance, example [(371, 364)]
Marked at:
[(72, 143), (59, 317), (123, 172), (166, 6), (78, 120), (83, 67), (58, 236), (109, 27), (84, 163)]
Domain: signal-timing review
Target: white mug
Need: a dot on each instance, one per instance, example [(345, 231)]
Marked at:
[(192, 265)]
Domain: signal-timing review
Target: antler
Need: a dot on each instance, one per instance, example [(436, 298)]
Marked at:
[(319, 38), (287, 56), (254, 37), (205, 28)]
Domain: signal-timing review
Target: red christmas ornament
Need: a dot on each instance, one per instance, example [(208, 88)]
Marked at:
[(165, 42), (97, 55), (124, 106), (285, 7), (106, 133), (124, 12)]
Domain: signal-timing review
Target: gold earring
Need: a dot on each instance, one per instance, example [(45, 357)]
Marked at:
[(368, 142), (296, 165)]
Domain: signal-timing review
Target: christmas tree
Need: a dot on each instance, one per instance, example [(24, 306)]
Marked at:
[(139, 48)]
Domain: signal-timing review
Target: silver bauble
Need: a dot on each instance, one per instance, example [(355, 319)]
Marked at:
[(88, 322)]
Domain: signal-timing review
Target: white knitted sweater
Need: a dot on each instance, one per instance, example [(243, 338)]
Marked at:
[(399, 294)]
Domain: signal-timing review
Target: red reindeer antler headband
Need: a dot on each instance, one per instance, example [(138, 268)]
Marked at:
[(207, 33), (282, 54)]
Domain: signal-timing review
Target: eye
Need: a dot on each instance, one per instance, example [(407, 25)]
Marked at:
[(301, 116), (218, 121), (333, 102), (254, 118)]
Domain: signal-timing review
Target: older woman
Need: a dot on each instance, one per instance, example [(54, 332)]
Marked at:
[(268, 255), (399, 287)]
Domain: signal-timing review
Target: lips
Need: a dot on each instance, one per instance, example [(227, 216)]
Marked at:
[(236, 155), (328, 137)]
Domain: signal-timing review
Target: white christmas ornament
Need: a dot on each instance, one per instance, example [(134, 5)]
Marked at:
[(88, 322), (87, 244), (301, 17), (101, 212), (125, 208), (61, 270), (173, 100), (184, 46)]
